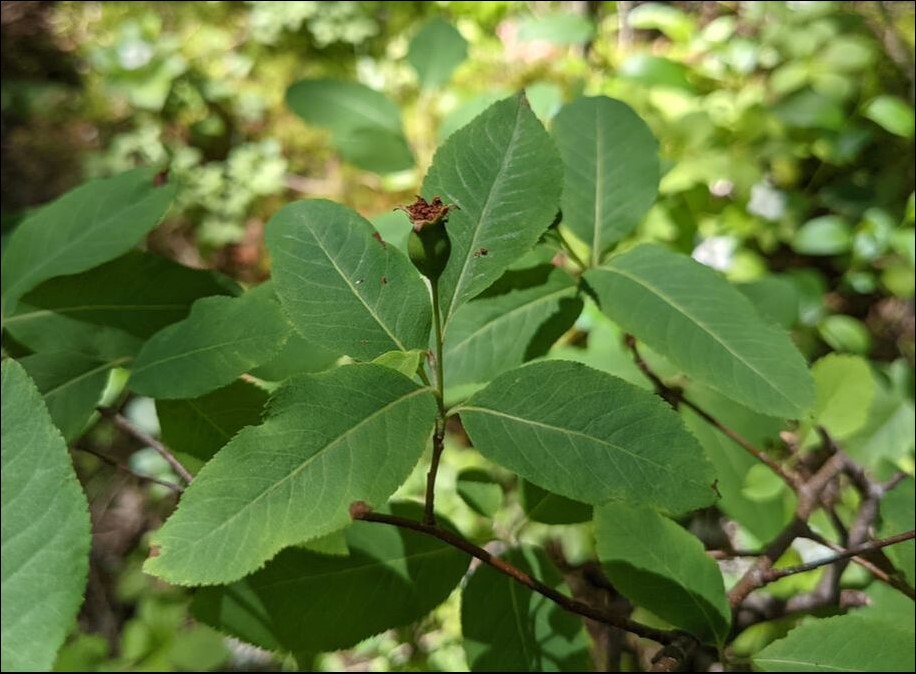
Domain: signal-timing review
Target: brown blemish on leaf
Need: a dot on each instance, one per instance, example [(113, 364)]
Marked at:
[(154, 551), (481, 252), (378, 237), (384, 280), (359, 509), (161, 178)]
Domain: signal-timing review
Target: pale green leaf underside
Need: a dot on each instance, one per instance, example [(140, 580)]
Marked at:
[(502, 330), (45, 530), (610, 159), (509, 628), (351, 434), (221, 339), (703, 325), (848, 643), (503, 173), (308, 601), (658, 565), (589, 436), (92, 224), (341, 287)]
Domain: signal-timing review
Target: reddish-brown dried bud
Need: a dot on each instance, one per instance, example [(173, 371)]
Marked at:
[(423, 213)]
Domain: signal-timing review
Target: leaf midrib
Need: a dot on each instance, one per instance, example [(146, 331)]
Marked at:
[(674, 305)]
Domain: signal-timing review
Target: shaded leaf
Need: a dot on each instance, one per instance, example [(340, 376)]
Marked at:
[(89, 225), (660, 566), (698, 321), (897, 516), (353, 433), (45, 530), (509, 628), (342, 288), (542, 506), (588, 436), (515, 320), (308, 601), (480, 492)]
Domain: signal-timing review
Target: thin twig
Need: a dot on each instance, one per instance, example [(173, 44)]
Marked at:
[(125, 425), (127, 469), (360, 511), (674, 397), (429, 513), (775, 574)]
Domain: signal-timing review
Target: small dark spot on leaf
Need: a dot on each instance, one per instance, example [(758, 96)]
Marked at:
[(481, 252), (161, 178), (715, 488), (364, 341), (378, 237), (153, 551), (359, 281), (384, 280)]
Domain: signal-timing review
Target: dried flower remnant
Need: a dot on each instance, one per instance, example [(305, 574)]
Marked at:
[(428, 246)]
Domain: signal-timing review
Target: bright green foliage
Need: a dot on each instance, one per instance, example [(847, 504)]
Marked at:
[(341, 287), (561, 28), (589, 436), (890, 431), (656, 564), (848, 643), (71, 385), (479, 491), (405, 362), (897, 517), (844, 389), (435, 51), (611, 168), (503, 173), (774, 297), (45, 531), (365, 124), (90, 225), (516, 319), (542, 506), (222, 338), (304, 601), (139, 293), (351, 434), (509, 628), (699, 322), (199, 427)]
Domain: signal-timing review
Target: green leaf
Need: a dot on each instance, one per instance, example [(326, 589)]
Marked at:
[(509, 628), (513, 321), (697, 320), (611, 167), (655, 71), (405, 362), (897, 516), (308, 601), (353, 433), (435, 51), (847, 643), (296, 356), (669, 20), (139, 293), (221, 339), (364, 123), (199, 427), (341, 287), (560, 28), (891, 113), (762, 518), (589, 436), (844, 389), (889, 432), (504, 174), (479, 491), (774, 297), (542, 506), (71, 385), (845, 333), (89, 225), (45, 530), (826, 235), (660, 566)]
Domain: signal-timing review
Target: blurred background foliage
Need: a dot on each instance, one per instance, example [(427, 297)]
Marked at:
[(786, 132)]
